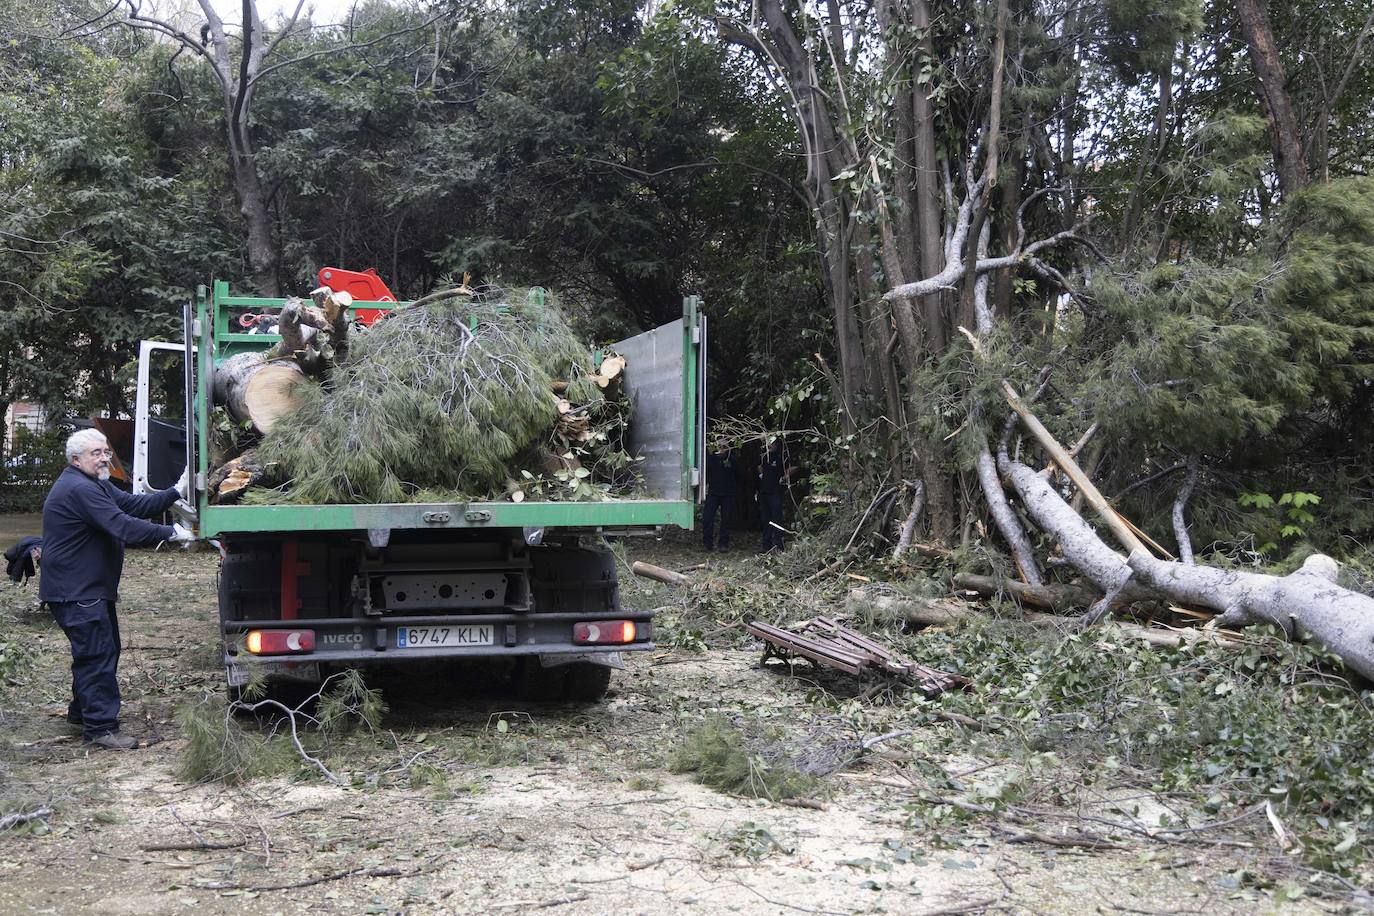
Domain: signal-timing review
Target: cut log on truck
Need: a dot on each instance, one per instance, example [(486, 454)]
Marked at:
[(227, 482), (610, 369), (315, 334), (258, 391)]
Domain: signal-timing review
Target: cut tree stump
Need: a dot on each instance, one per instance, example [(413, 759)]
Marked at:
[(257, 391)]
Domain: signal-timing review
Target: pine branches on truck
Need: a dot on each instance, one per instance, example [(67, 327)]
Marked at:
[(473, 398)]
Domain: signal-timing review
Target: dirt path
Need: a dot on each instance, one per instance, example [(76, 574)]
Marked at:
[(563, 809)]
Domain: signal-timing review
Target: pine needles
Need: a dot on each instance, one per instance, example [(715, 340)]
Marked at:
[(453, 398)]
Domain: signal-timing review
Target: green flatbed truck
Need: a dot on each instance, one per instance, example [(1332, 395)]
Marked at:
[(308, 589)]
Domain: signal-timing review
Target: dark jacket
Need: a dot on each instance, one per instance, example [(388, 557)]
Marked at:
[(19, 559), (86, 523), (773, 473), (720, 474)]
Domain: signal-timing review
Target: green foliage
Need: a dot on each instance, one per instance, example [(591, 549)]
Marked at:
[(1229, 728), (718, 754), (348, 704), (219, 749), (754, 842), (450, 397), (1143, 34), (15, 658), (1288, 512)]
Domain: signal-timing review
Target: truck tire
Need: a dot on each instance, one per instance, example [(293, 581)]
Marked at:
[(537, 684), (586, 682)]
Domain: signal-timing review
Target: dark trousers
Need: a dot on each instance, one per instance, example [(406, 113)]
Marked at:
[(770, 510), (93, 631), (725, 507)]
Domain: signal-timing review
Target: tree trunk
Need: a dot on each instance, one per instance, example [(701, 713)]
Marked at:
[(1289, 161), (1305, 602), (926, 186), (256, 391), (1054, 597)]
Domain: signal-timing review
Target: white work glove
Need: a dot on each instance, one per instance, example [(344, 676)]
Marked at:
[(181, 534), (183, 484)]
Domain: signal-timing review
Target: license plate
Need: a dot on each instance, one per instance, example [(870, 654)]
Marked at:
[(444, 637)]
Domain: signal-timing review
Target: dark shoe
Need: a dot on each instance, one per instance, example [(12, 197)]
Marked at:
[(723, 549), (113, 741)]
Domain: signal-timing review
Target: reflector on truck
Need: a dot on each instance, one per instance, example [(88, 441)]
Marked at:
[(279, 642)]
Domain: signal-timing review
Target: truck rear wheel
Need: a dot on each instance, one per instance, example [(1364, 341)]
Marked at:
[(586, 682), (537, 684)]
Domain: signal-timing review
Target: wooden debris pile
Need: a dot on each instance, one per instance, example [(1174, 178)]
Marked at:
[(479, 397), (826, 642)]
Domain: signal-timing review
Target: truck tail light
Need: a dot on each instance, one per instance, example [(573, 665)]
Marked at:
[(280, 642), (604, 632)]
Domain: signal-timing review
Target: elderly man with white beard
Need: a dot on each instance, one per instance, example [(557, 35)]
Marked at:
[(86, 523)]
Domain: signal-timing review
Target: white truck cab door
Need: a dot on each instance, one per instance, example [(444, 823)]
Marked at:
[(164, 443)]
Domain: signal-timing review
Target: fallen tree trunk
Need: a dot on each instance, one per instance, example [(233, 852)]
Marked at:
[(931, 614), (256, 391), (1305, 603), (1054, 597), (659, 574)]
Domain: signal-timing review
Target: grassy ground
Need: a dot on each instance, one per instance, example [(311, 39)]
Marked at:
[(14, 527), (462, 799)]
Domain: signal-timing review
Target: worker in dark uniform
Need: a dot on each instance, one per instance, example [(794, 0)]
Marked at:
[(773, 474), (721, 490), (86, 523)]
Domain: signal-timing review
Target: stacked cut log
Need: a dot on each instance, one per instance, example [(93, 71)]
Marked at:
[(574, 426), (258, 389)]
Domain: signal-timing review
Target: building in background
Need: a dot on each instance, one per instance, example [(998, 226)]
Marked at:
[(23, 415)]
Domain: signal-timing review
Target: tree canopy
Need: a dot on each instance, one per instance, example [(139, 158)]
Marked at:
[(1161, 208)]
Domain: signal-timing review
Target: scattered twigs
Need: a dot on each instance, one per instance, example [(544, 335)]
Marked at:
[(537, 904), (359, 872), (20, 818), (193, 847), (1070, 840)]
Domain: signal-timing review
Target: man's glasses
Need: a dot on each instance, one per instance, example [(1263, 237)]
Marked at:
[(101, 453)]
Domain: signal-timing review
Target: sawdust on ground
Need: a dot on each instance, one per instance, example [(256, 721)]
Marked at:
[(584, 818)]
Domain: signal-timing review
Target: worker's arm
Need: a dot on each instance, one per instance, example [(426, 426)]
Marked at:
[(97, 506), (149, 505)]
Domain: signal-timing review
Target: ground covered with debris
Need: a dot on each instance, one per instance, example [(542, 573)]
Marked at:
[(705, 782)]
